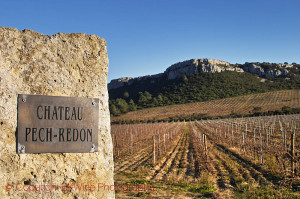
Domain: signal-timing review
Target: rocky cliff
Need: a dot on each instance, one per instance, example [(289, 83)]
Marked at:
[(255, 68), (197, 66)]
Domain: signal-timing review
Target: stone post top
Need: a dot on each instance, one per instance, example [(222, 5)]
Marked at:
[(73, 65)]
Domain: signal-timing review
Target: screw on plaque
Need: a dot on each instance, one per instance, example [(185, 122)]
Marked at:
[(93, 103), (23, 99), (21, 148), (93, 148)]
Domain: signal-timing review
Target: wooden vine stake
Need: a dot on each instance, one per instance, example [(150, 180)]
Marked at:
[(284, 136), (164, 142), (232, 134), (204, 145), (260, 142), (293, 152), (158, 145), (153, 137), (254, 143), (243, 135), (131, 142), (116, 147)]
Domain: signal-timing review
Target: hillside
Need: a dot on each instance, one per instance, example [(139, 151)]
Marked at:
[(263, 102), (200, 80), (198, 66)]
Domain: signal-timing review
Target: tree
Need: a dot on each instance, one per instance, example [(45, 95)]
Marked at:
[(114, 110), (155, 102), (132, 106), (148, 95), (122, 105), (126, 95), (160, 98), (185, 79), (142, 101)]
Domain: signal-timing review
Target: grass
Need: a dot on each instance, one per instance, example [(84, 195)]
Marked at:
[(272, 166), (204, 185), (265, 192), (141, 182)]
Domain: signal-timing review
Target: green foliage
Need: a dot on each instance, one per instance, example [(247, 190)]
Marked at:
[(250, 191), (286, 109), (197, 88), (257, 109), (114, 110), (185, 79), (143, 99), (126, 95), (132, 106), (273, 167), (122, 105), (148, 96), (268, 66)]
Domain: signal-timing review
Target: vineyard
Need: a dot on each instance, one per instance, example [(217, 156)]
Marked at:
[(244, 157), (269, 101)]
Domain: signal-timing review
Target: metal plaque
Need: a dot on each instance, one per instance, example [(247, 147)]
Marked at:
[(50, 124)]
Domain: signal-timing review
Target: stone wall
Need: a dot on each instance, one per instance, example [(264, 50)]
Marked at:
[(73, 65)]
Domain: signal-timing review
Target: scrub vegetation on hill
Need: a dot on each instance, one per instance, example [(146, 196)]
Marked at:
[(196, 88)]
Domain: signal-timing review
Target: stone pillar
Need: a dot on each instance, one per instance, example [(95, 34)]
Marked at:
[(73, 65)]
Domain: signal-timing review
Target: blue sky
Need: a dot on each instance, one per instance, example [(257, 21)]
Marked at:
[(147, 36)]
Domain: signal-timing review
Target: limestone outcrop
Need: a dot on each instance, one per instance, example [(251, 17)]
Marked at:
[(74, 65), (260, 71), (125, 81), (198, 66)]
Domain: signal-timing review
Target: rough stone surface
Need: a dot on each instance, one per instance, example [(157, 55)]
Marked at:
[(258, 70), (127, 81), (116, 83), (198, 66), (60, 65)]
